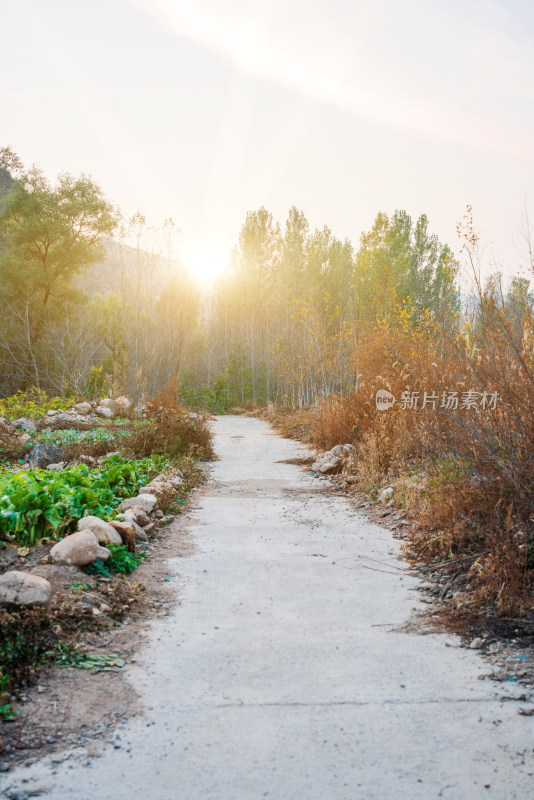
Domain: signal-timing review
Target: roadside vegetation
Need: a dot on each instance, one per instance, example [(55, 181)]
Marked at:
[(305, 329), (107, 462), (455, 452)]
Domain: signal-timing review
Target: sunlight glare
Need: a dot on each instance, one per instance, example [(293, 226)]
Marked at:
[(206, 264)]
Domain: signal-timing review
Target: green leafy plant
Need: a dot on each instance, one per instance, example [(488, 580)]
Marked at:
[(121, 561), (62, 438), (37, 503)]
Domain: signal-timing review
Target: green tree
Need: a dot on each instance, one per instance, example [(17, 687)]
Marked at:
[(399, 261), (49, 235)]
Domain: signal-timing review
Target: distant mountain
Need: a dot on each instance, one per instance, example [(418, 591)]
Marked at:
[(124, 266)]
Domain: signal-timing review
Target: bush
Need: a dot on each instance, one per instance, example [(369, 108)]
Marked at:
[(33, 403), (172, 433)]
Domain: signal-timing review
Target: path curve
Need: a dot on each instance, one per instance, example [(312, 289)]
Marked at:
[(282, 673)]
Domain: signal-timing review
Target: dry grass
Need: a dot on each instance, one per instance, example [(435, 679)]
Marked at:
[(476, 504)]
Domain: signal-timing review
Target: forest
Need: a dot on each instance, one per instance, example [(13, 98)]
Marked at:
[(309, 327)]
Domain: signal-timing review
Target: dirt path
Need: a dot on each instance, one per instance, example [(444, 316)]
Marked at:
[(284, 674)]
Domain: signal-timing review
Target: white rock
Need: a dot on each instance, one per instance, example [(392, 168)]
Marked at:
[(103, 531), (163, 490), (148, 502), (138, 515), (26, 424), (123, 406), (103, 411), (83, 408), (476, 644), (102, 553), (107, 402), (329, 466), (25, 438), (338, 450), (23, 589), (79, 548), (57, 467)]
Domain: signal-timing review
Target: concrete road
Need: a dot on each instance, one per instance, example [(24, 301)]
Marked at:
[(283, 674)]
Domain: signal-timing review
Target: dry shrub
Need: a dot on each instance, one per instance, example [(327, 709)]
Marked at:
[(290, 422), (477, 509), (397, 359), (172, 433), (168, 395), (10, 446)]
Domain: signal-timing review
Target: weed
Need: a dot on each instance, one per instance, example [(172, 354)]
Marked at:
[(121, 561)]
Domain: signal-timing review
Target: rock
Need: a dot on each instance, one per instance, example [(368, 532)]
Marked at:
[(83, 408), (25, 424), (104, 532), (88, 460), (164, 491), (476, 644), (52, 413), (330, 466), (159, 515), (123, 406), (68, 419), (126, 532), (140, 535), (79, 548), (150, 527), (176, 480), (23, 589), (137, 514), (148, 502), (57, 467), (108, 455), (102, 553), (44, 454), (107, 402), (338, 450), (103, 411), (25, 438)]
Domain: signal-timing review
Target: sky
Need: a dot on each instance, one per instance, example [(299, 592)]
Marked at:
[(203, 110)]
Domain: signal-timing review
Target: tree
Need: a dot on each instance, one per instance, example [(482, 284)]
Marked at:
[(401, 262), (49, 235)]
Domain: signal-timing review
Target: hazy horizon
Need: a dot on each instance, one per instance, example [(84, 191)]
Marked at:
[(199, 112)]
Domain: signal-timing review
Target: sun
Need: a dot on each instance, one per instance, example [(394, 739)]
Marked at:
[(206, 264)]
